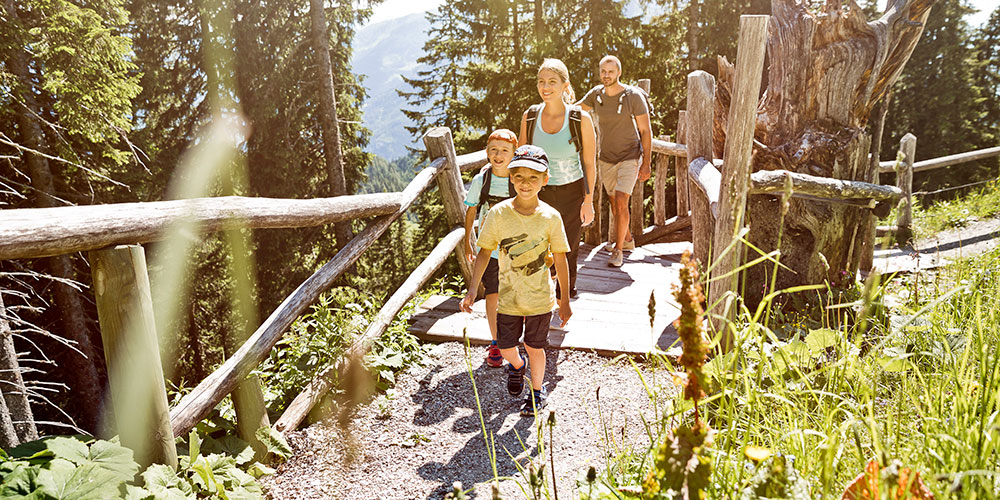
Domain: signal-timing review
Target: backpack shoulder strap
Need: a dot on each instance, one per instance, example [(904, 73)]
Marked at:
[(529, 122), (575, 117), (575, 132), (484, 191)]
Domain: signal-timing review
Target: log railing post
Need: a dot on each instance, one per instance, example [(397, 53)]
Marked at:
[(636, 218), (904, 181), (661, 163), (736, 172), (698, 137), (131, 350), (438, 142), (680, 172)]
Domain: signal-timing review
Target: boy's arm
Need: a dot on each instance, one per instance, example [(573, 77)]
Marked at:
[(482, 260), (562, 274), (470, 219)]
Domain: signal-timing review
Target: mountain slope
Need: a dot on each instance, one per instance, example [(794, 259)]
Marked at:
[(383, 51)]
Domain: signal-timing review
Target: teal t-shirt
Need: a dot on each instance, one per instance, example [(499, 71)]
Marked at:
[(498, 187), (564, 160)]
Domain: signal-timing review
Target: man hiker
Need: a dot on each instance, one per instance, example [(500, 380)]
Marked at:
[(625, 139)]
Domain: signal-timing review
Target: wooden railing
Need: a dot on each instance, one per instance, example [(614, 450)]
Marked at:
[(112, 234)]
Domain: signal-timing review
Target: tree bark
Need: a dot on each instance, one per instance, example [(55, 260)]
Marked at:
[(328, 114), (85, 381), (693, 35), (15, 394), (827, 72)]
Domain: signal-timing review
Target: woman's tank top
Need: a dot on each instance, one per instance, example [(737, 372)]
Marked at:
[(564, 160)]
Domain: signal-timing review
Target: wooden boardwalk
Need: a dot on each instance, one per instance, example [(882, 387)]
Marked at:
[(610, 316)]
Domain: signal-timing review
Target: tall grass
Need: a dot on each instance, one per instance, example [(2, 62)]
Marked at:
[(826, 394), (918, 385)]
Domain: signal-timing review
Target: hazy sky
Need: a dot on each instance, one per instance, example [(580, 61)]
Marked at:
[(391, 9)]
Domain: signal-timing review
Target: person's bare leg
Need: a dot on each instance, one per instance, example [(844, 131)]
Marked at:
[(621, 212), (512, 356), (536, 359), (492, 302)]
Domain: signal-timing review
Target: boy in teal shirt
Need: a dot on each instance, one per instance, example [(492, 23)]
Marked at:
[(499, 151)]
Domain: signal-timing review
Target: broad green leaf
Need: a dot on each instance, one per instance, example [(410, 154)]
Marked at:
[(230, 445), (114, 458), (64, 481), (137, 493), (194, 445), (70, 449), (19, 479), (275, 442), (259, 470), (819, 340), (159, 474)]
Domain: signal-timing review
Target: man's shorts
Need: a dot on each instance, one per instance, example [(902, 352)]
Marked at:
[(619, 176), (491, 277), (535, 329)]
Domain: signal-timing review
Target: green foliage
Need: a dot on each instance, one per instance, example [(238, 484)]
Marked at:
[(939, 99), (81, 468), (319, 339)]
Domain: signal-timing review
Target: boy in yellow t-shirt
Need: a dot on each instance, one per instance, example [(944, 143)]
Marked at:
[(524, 230)]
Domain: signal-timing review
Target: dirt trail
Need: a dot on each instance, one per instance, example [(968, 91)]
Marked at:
[(429, 436), (975, 238)]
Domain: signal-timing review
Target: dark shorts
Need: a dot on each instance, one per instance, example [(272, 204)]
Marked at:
[(535, 329), (491, 277)]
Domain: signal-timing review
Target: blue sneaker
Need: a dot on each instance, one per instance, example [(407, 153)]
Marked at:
[(534, 402), (515, 378)]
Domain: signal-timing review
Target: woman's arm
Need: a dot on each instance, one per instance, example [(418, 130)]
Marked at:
[(588, 157)]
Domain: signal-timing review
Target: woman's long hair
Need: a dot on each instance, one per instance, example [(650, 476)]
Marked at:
[(557, 66)]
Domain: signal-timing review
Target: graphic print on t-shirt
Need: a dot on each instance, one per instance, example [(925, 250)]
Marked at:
[(526, 257)]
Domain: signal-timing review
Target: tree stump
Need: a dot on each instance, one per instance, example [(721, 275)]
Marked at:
[(827, 71)]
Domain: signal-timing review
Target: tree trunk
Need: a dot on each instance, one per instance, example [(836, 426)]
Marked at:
[(539, 21), (84, 379), (693, 35), (826, 74), (328, 114), (15, 395)]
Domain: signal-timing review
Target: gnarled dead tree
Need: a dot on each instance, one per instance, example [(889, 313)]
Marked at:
[(827, 71)]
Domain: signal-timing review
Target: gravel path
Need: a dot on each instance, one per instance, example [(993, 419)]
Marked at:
[(417, 444)]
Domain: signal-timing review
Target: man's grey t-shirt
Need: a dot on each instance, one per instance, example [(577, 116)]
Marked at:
[(619, 137)]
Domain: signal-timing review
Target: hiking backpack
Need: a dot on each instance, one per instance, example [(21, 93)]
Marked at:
[(575, 131), (629, 89)]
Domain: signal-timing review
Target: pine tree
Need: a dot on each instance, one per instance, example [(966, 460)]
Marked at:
[(937, 98), (987, 76), (68, 85)]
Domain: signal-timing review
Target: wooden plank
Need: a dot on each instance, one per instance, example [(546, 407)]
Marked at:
[(132, 353), (700, 119), (44, 232), (773, 182), (438, 143), (669, 148), (657, 232), (680, 170), (736, 174), (944, 161), (904, 181), (661, 164)]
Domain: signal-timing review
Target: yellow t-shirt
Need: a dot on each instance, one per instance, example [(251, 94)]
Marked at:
[(524, 242)]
